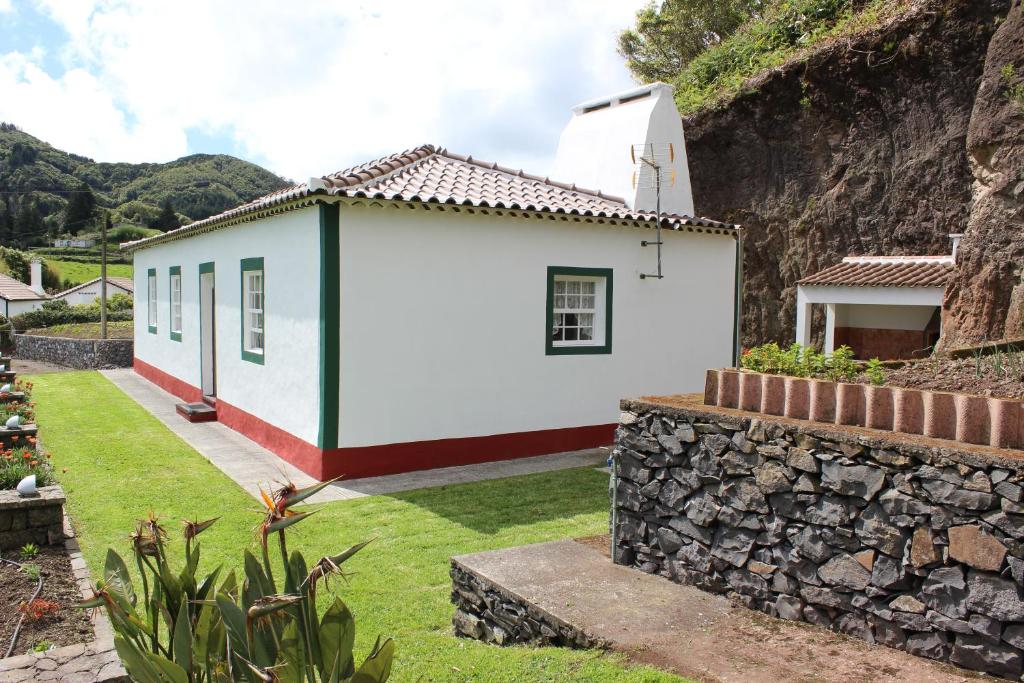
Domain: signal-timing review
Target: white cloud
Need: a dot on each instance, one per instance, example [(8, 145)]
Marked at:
[(6, 6), (311, 90)]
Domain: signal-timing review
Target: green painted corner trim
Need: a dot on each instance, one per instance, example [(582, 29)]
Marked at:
[(171, 272), (248, 265), (150, 284), (330, 325), (549, 319)]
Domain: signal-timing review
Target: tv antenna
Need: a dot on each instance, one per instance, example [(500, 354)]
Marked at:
[(653, 170)]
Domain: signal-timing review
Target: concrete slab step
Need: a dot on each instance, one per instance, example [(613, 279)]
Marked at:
[(681, 628), (197, 412)]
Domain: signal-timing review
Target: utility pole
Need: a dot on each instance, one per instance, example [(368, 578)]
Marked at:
[(103, 275)]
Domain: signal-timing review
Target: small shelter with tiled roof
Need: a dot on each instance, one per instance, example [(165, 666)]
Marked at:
[(88, 292), (429, 309), (880, 306)]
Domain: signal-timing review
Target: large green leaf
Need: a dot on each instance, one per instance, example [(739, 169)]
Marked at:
[(337, 635), (181, 642), (169, 671), (234, 621), (291, 660), (377, 666), (115, 573), (135, 661)]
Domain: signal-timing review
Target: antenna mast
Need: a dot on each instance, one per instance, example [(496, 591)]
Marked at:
[(654, 168)]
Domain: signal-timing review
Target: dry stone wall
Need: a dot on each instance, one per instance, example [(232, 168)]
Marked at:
[(913, 546), (82, 354), (38, 519)]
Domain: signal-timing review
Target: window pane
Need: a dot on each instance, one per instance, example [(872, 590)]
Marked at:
[(573, 287), (559, 301), (586, 334), (559, 286), (572, 301), (571, 320), (588, 302), (588, 287), (586, 319)]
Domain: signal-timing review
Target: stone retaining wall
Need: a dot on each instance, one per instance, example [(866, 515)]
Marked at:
[(36, 520), (487, 612), (910, 544), (83, 354)]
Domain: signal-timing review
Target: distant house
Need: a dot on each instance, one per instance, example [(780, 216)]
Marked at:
[(81, 244), (887, 307), (17, 297), (430, 309), (88, 292)]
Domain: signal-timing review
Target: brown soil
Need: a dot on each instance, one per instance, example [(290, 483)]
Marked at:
[(66, 627), (601, 543), (1000, 375)]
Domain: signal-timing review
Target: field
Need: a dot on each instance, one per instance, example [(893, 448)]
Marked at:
[(78, 273)]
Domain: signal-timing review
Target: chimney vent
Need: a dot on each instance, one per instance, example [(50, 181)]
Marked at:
[(956, 237), (594, 150), (36, 276)]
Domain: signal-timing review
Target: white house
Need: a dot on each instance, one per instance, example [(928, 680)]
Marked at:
[(429, 309), (886, 307), (17, 297), (88, 292)]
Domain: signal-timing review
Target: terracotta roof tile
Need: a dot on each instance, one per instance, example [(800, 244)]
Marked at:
[(431, 175), (885, 271), (16, 290)]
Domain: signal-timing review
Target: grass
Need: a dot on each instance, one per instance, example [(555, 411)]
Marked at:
[(121, 463), (121, 329), (77, 273)]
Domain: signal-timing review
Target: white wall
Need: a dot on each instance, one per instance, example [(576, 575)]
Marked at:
[(284, 390), (22, 306), (443, 323), (884, 317)]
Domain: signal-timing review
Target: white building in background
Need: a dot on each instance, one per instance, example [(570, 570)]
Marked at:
[(88, 292), (429, 309), (886, 307), (17, 297)]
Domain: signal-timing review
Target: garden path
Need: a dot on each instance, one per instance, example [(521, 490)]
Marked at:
[(250, 465)]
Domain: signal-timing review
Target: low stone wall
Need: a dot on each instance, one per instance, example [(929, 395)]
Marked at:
[(38, 519), (487, 612), (907, 543), (83, 354)]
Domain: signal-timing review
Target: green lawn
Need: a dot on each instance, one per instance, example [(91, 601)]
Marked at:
[(78, 273), (121, 463)]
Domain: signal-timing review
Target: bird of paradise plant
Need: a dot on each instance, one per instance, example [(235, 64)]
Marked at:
[(190, 629)]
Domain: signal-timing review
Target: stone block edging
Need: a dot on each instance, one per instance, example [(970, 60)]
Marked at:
[(93, 662), (81, 354), (981, 420), (37, 519)]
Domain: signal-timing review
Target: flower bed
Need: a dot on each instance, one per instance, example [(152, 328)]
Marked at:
[(961, 417)]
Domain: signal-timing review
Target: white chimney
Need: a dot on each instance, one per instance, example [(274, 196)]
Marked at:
[(956, 237), (36, 276), (594, 150)]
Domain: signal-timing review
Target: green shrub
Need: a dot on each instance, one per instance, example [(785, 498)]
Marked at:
[(60, 312), (197, 629), (875, 373), (800, 361)]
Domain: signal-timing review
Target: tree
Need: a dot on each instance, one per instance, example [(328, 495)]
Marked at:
[(168, 218), (667, 38), (28, 224), (6, 221), (78, 214)]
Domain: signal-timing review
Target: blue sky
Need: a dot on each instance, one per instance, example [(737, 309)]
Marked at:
[(306, 88)]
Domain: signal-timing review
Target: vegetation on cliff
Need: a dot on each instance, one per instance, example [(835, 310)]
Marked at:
[(710, 51)]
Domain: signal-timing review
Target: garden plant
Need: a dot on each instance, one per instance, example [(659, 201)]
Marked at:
[(803, 361), (187, 628)]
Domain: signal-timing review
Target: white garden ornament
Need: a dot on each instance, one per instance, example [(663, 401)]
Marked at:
[(27, 486), (13, 422), (5, 389)]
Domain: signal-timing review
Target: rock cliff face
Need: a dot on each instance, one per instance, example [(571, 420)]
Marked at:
[(871, 146)]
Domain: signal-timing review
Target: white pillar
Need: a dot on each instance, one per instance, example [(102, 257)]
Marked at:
[(36, 276), (830, 328), (803, 318)]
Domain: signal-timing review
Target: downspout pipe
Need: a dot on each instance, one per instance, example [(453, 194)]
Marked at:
[(737, 325)]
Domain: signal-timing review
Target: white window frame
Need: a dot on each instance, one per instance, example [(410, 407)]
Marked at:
[(254, 310), (175, 287), (152, 313), (568, 296)]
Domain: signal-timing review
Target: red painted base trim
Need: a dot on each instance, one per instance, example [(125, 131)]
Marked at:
[(369, 461), (168, 383)]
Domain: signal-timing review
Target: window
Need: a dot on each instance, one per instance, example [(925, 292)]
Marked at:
[(176, 303), (151, 273), (579, 311), (253, 310)]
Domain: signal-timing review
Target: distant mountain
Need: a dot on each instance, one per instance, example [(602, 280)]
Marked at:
[(197, 186)]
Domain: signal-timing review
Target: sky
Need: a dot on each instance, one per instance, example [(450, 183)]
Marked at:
[(306, 87)]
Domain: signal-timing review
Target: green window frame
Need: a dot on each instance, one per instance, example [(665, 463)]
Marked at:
[(253, 309), (151, 311), (600, 329), (172, 291)]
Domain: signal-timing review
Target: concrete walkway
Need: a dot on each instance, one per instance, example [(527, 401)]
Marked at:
[(684, 629), (250, 465)]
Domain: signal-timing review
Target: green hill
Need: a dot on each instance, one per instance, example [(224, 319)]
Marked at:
[(197, 186)]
